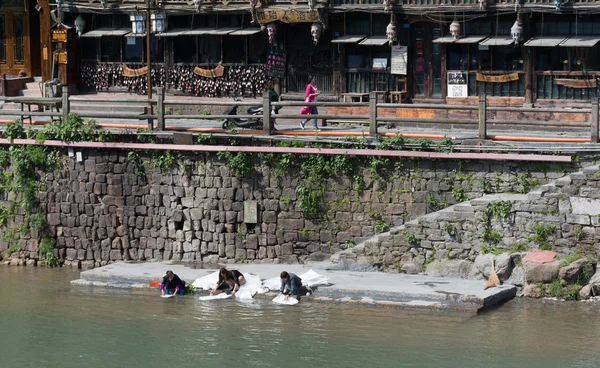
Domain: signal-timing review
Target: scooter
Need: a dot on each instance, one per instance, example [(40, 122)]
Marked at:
[(252, 123)]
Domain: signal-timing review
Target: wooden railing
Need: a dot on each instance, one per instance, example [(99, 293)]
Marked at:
[(449, 3), (366, 80), (160, 105), (548, 89), (506, 89)]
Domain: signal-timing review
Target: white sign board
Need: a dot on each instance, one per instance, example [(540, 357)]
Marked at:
[(457, 84), (399, 59)]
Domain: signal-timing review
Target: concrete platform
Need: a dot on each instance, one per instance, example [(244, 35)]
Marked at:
[(383, 289)]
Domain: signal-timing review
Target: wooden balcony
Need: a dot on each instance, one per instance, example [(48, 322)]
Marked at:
[(180, 5), (459, 3)]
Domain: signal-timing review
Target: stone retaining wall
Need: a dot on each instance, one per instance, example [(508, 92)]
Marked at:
[(103, 209)]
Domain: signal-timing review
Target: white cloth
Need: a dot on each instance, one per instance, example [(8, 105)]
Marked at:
[(215, 297), (280, 299), (252, 286), (309, 279)]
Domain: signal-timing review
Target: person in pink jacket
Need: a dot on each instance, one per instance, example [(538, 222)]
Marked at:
[(310, 96)]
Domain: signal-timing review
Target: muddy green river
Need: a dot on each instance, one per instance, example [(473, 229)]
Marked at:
[(48, 323)]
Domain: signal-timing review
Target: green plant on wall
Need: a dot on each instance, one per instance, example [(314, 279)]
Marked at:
[(380, 226), (411, 239), (540, 234), (449, 229), (459, 194)]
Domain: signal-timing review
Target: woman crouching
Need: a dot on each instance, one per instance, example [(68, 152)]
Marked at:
[(229, 280)]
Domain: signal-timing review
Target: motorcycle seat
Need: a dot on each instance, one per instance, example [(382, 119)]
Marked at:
[(255, 109)]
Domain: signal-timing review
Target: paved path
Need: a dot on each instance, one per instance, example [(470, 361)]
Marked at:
[(399, 290)]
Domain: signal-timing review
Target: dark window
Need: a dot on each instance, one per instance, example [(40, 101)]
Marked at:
[(552, 58), (468, 57), (506, 58), (185, 49), (110, 48), (234, 49), (134, 47), (209, 21), (476, 28), (379, 25), (210, 49), (358, 23), (231, 21), (358, 57), (436, 63), (104, 21), (259, 48), (157, 49), (18, 37), (552, 28), (585, 28), (2, 40), (89, 48)]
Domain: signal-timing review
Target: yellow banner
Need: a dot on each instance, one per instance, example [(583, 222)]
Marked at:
[(128, 72), (287, 16), (210, 73), (497, 78), (577, 83)]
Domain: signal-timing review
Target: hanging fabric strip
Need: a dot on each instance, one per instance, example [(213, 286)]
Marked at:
[(503, 78), (128, 72), (577, 83), (210, 73)]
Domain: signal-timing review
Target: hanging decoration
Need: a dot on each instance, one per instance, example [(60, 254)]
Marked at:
[(482, 4), (391, 31), (79, 25), (557, 4), (455, 29), (272, 32), (315, 31), (253, 10), (198, 4), (311, 5), (210, 73), (388, 5), (128, 72), (516, 32), (263, 28)]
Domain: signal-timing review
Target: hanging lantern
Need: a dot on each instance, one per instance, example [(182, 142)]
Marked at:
[(391, 32), (455, 29), (272, 32), (138, 24), (159, 22), (79, 25), (315, 31), (557, 4), (516, 32), (198, 4), (388, 5), (482, 4)]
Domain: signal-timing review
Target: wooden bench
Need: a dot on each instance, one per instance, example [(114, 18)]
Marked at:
[(355, 95), (40, 104)]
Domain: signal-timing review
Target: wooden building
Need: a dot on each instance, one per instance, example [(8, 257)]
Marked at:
[(517, 53), (24, 35)]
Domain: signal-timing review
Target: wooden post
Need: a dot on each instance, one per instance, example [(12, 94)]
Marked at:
[(66, 108), (160, 108), (594, 124), (482, 116), (267, 124), (373, 114)]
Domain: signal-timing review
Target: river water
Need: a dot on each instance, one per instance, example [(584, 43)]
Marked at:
[(48, 323)]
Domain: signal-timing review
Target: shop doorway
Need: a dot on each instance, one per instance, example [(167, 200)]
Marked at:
[(426, 61), (12, 40)]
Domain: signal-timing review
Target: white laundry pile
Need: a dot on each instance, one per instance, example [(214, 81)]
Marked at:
[(280, 299), (252, 286), (309, 279), (215, 297)]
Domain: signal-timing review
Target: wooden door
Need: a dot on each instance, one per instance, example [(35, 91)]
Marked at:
[(427, 61), (13, 41)]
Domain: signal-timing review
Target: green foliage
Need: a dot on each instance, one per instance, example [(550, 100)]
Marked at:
[(449, 229), (578, 232), (164, 160), (348, 244), (4, 157), (206, 139), (432, 202), (310, 200), (486, 248), (45, 248), (570, 259), (459, 194), (359, 183), (286, 200), (374, 214), (36, 222), (411, 239), (486, 187), (190, 289), (497, 210), (518, 247), (134, 159), (239, 162), (445, 145), (555, 289), (573, 292), (540, 235), (15, 130), (380, 226), (74, 129), (14, 249), (491, 236), (524, 182)]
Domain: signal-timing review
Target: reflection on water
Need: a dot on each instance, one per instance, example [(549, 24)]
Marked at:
[(48, 323)]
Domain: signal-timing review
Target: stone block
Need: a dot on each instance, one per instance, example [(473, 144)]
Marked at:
[(544, 272), (290, 224)]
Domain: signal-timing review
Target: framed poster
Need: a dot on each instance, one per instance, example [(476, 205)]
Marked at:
[(457, 84), (276, 63), (399, 59)]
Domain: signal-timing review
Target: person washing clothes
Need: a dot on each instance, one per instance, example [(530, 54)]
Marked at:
[(290, 284), (310, 96), (229, 280), (172, 284)]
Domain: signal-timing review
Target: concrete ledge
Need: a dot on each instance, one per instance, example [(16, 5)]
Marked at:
[(372, 288)]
